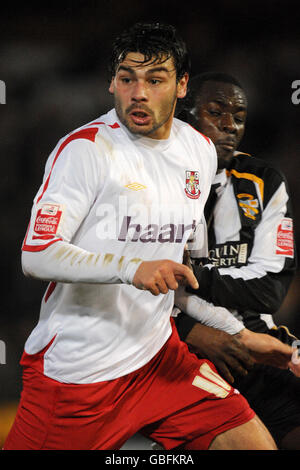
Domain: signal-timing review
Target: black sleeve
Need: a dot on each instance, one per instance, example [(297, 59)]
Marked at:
[(242, 290), (184, 323), (263, 294)]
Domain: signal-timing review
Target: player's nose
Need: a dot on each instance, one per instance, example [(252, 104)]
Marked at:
[(139, 91), (228, 123)]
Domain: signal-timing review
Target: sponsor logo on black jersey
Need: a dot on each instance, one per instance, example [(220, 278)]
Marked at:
[(229, 254)]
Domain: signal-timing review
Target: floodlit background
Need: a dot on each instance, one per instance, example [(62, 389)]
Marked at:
[(53, 60)]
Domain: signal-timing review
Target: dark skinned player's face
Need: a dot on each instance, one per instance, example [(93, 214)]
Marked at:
[(221, 115)]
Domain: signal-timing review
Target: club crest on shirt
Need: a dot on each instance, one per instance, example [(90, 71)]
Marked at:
[(249, 205), (192, 189)]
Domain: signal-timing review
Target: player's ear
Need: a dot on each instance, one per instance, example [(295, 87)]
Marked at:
[(112, 86), (182, 86)]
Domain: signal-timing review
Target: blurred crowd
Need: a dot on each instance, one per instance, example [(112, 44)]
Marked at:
[(54, 64)]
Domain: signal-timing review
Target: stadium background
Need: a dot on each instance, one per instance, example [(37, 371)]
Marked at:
[(53, 62)]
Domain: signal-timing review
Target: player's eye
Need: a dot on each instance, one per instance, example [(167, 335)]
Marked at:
[(154, 81), (214, 112), (239, 119), (125, 80)]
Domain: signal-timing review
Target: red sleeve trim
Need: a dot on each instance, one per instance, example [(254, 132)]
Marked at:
[(89, 134), (205, 137), (50, 289), (42, 237), (113, 126), (35, 248)]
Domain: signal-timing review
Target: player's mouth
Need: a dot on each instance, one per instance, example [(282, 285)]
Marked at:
[(227, 144), (140, 117)]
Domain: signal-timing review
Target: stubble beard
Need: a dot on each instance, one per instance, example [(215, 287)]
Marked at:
[(156, 124)]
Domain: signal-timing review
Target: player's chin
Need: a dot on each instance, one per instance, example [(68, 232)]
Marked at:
[(224, 157), (140, 129)]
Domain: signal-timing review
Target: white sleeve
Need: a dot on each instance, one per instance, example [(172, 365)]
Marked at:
[(206, 313), (72, 179), (64, 262)]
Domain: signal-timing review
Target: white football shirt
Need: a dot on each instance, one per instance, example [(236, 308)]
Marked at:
[(110, 199)]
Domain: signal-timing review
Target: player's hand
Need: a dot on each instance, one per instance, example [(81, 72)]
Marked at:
[(225, 351), (160, 276), (295, 368), (294, 365), (266, 349), (187, 258)]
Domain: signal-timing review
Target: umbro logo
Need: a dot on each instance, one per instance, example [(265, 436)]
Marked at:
[(135, 186)]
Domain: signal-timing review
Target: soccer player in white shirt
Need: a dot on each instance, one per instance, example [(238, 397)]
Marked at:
[(108, 230)]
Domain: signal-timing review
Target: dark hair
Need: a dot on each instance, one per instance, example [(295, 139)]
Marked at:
[(186, 105), (156, 42), (196, 83)]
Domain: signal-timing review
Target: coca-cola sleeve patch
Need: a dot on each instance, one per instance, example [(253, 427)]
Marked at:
[(285, 238), (47, 221)]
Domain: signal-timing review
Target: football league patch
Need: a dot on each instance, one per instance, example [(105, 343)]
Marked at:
[(285, 238), (47, 221)]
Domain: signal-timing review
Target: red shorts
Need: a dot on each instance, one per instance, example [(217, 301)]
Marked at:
[(169, 400)]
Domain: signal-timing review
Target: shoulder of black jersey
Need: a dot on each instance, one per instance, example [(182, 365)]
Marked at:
[(271, 176), (245, 162)]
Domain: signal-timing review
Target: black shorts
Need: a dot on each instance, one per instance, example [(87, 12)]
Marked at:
[(274, 394)]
